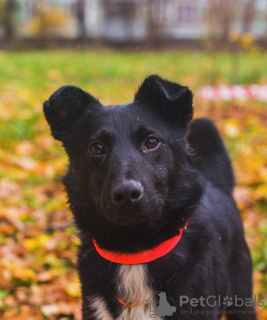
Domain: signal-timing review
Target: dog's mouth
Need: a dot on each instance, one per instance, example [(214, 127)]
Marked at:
[(127, 218), (131, 215)]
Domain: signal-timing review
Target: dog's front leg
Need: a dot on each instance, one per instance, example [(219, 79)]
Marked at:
[(95, 308)]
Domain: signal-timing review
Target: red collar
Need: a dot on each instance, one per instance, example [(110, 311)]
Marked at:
[(144, 256)]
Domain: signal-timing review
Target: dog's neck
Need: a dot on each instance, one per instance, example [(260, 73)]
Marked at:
[(141, 257)]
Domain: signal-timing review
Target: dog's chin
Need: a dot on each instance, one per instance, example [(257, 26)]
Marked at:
[(129, 219)]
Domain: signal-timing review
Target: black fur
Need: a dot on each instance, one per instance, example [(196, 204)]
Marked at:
[(187, 177)]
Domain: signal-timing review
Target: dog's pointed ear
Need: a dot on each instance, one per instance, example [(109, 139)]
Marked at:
[(169, 99), (65, 107)]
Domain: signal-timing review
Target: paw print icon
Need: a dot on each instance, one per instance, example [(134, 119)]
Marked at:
[(228, 301)]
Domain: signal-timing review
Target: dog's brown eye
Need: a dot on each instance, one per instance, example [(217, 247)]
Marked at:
[(97, 148), (151, 143)]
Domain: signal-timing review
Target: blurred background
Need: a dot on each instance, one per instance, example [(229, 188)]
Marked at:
[(161, 23), (107, 47)]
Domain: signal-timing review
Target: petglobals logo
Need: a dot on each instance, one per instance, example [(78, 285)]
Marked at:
[(213, 301)]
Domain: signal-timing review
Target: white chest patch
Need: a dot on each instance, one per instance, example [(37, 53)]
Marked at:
[(132, 287), (132, 282)]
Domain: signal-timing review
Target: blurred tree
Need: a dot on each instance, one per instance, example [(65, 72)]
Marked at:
[(154, 24), (221, 15), (248, 16), (81, 19), (128, 10), (47, 21), (123, 12), (8, 23)]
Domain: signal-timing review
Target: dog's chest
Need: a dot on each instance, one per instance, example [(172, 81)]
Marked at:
[(131, 288)]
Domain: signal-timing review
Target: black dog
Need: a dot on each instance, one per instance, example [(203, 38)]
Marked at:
[(138, 174)]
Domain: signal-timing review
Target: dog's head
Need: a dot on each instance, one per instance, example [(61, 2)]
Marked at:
[(129, 164)]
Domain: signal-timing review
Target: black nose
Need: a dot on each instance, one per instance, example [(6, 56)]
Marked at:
[(129, 192)]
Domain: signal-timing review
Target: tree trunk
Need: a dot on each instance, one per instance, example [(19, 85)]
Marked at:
[(221, 15), (154, 26), (80, 6), (8, 20), (226, 11), (248, 17)]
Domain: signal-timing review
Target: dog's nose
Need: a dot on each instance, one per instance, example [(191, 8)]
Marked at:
[(129, 192)]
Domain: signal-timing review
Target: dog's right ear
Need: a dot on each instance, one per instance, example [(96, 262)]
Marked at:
[(169, 100), (65, 107)]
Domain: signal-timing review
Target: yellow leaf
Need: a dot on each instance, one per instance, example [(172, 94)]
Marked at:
[(232, 128), (24, 274), (74, 288)]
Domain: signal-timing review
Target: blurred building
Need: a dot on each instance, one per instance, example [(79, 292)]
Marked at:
[(137, 20)]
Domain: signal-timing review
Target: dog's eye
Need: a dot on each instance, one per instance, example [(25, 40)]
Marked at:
[(151, 143), (97, 148)]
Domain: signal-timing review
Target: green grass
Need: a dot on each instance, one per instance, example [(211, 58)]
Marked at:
[(99, 69)]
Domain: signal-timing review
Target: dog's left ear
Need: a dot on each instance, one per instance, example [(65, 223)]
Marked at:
[(168, 99), (65, 107)]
